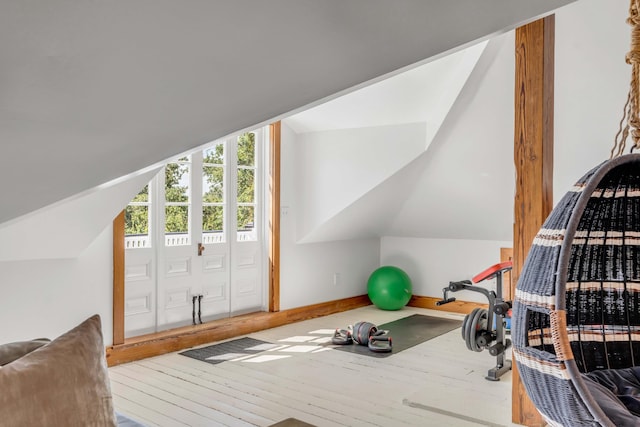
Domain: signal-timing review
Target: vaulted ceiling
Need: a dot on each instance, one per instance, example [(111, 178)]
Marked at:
[(460, 182), (94, 91)]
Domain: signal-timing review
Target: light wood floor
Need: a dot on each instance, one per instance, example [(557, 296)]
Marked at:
[(436, 383)]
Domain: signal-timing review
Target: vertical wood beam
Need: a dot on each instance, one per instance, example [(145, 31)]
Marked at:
[(118, 279), (274, 217), (533, 156)]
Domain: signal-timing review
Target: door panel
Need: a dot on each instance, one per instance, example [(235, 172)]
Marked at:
[(177, 283), (246, 288), (140, 292), (214, 281), (178, 267)]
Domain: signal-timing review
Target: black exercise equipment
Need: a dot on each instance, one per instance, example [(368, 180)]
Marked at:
[(380, 342), (342, 337), (195, 298), (484, 329), (364, 333), (193, 311)]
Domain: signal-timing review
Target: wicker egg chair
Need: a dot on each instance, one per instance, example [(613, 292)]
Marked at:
[(576, 312)]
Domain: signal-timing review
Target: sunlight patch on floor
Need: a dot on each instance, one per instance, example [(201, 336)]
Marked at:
[(265, 358), (312, 343)]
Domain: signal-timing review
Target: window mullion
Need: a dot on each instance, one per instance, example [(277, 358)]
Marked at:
[(231, 195), (196, 197)]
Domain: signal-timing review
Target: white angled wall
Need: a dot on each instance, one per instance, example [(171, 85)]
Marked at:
[(308, 270), (337, 167), (432, 263), (45, 298)]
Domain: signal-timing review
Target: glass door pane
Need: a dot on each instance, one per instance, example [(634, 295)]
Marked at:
[(177, 203), (136, 221), (213, 194), (246, 188)]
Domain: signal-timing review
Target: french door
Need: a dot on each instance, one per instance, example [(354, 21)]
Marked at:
[(202, 254)]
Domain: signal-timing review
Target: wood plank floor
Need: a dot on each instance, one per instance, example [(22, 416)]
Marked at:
[(436, 383)]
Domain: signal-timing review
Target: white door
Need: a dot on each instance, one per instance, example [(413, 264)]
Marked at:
[(183, 293), (140, 265), (246, 245), (204, 258)]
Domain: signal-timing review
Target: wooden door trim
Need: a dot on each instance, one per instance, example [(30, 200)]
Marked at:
[(274, 217), (118, 279)]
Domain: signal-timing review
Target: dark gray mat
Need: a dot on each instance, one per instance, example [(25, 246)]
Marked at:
[(406, 333), (218, 353)]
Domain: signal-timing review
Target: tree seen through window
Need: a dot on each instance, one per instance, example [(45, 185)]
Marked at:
[(177, 192), (176, 186)]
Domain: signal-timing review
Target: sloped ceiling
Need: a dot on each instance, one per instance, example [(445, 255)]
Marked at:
[(93, 91), (66, 229), (462, 186)]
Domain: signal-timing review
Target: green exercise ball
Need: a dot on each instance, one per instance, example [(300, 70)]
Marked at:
[(389, 288)]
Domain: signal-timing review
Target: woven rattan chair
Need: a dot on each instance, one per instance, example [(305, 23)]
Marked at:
[(577, 302)]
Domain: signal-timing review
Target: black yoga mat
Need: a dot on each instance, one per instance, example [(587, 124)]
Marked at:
[(218, 353), (406, 333)]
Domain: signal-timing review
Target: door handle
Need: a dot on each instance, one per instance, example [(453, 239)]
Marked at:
[(201, 249)]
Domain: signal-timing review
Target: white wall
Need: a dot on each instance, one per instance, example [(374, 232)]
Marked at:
[(460, 187), (463, 186), (591, 86), (432, 263), (307, 270), (45, 298), (56, 264), (337, 167)]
